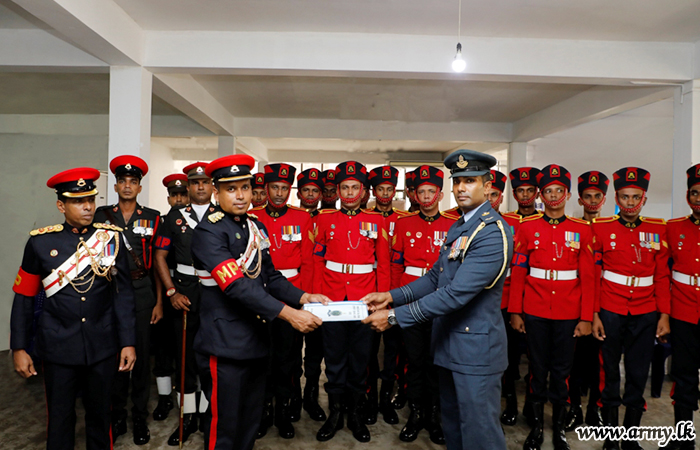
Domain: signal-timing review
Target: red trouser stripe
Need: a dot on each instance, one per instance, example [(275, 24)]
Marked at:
[(673, 389), (601, 385), (214, 402)]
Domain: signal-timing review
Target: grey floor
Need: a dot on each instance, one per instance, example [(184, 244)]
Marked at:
[(23, 424)]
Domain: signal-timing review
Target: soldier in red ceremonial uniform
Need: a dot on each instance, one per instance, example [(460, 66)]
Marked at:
[(348, 243), (330, 189), (383, 180), (633, 299), (181, 285), (140, 226), (684, 244), (416, 246), (86, 329), (498, 185), (523, 182), (310, 189), (411, 193), (551, 296), (585, 374), (288, 228), (259, 191)]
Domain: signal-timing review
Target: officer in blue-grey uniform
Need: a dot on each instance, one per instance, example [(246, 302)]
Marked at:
[(462, 295)]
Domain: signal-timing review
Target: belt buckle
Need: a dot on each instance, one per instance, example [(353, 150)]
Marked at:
[(553, 275), (632, 281), (347, 269), (694, 280)]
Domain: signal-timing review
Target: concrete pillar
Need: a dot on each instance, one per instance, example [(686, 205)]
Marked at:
[(686, 141), (130, 91), (227, 146), (517, 157)]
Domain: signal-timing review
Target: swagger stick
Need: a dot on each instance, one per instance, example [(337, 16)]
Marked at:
[(182, 374)]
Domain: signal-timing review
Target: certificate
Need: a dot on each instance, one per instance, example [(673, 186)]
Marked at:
[(338, 311)]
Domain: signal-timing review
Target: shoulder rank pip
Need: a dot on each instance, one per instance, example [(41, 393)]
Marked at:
[(50, 229)]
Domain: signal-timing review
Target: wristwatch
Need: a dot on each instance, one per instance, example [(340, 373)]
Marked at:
[(392, 318), (170, 292)]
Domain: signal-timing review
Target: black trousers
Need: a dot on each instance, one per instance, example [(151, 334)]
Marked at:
[(163, 344), (635, 335), (585, 373), (515, 339), (286, 354), (421, 373), (140, 377), (685, 340), (392, 342), (188, 286), (313, 356), (235, 390), (550, 346), (62, 385), (346, 348)]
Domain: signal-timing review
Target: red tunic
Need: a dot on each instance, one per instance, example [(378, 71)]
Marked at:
[(513, 219), (563, 244), (684, 245), (622, 248), (416, 243)]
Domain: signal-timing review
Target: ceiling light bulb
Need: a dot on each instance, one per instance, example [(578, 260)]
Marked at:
[(459, 64)]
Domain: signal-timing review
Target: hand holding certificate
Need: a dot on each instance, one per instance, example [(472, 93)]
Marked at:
[(338, 311)]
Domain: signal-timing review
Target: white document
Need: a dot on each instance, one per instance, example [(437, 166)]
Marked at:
[(338, 311)]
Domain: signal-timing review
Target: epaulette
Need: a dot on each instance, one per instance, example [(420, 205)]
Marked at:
[(452, 216), (253, 216), (653, 220), (531, 218), (107, 226), (215, 217), (258, 208), (408, 214), (512, 215), (402, 213), (296, 208), (678, 219), (327, 211), (50, 229), (369, 211), (577, 220), (605, 219)]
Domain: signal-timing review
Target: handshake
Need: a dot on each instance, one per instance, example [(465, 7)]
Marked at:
[(377, 305)]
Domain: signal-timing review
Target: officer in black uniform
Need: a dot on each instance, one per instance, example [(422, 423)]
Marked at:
[(240, 292), (140, 225), (88, 315), (182, 288)]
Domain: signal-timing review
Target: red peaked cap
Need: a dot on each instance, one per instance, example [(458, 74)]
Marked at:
[(128, 165), (196, 170), (231, 168), (175, 182), (75, 183)]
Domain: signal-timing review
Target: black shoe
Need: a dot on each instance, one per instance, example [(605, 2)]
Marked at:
[(335, 419), (559, 421), (118, 428), (510, 414), (165, 404), (633, 417), (371, 408), (681, 414), (189, 426), (295, 408), (433, 424), (267, 419), (310, 403), (282, 420), (356, 422), (593, 418), (527, 413), (388, 412), (536, 437), (574, 418), (399, 400), (410, 431), (141, 432), (609, 415)]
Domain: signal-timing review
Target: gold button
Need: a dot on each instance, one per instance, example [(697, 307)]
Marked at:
[(631, 291), (553, 292), (258, 317), (348, 249), (347, 282), (82, 298), (84, 319), (467, 329), (440, 269), (634, 262), (264, 321), (554, 259)]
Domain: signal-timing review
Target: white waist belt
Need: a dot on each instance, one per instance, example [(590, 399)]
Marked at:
[(625, 280), (186, 270), (205, 278), (508, 272), (289, 273), (172, 273), (553, 275), (690, 280), (416, 271), (356, 269)]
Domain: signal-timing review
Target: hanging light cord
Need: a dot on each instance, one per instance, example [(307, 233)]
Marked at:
[(459, 23)]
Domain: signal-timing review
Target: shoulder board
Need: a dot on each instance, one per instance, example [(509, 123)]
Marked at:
[(253, 216), (327, 211), (215, 217), (653, 220), (446, 214), (532, 217), (678, 219), (50, 229), (369, 211), (512, 215), (401, 212), (296, 208), (605, 219), (407, 214), (577, 220), (107, 226), (151, 210), (258, 208)]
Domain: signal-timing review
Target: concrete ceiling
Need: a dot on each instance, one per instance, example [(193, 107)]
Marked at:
[(629, 20), (383, 99)]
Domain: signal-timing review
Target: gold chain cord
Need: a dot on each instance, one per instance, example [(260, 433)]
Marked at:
[(96, 269)]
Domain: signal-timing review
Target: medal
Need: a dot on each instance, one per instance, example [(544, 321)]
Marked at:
[(419, 234)]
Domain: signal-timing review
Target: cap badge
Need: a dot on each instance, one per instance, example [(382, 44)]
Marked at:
[(283, 172), (313, 175), (524, 175), (387, 173), (461, 162), (331, 175), (631, 176), (594, 179), (555, 172), (424, 173), (128, 166), (259, 179), (351, 169), (81, 182), (178, 183), (235, 169), (200, 170)]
